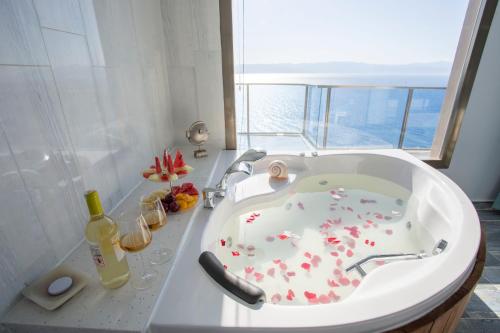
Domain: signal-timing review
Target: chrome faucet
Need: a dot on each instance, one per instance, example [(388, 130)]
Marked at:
[(242, 164)]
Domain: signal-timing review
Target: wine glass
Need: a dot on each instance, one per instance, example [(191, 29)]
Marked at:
[(155, 217), (136, 236)]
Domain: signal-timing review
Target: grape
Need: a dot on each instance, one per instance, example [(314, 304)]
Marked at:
[(173, 206), (169, 198), (164, 204)]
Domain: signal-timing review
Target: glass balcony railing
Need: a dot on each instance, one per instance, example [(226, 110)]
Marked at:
[(331, 117)]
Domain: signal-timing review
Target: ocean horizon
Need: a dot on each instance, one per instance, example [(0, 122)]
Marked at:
[(366, 109)]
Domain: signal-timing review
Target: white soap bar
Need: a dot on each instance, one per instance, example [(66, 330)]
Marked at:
[(60, 286)]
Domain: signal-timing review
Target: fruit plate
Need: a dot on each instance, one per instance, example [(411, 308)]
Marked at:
[(179, 200)]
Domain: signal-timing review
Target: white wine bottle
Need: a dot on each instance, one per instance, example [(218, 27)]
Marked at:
[(103, 236)]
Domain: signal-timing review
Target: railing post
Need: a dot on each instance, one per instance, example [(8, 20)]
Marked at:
[(405, 118), (327, 117), (306, 101), (248, 109)]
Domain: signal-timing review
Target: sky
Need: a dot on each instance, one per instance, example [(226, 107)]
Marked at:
[(367, 31)]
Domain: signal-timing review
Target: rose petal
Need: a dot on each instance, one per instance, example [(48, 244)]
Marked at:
[(259, 276), (344, 281)]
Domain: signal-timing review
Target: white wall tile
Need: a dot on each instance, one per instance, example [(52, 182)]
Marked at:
[(148, 24), (26, 112), (116, 30), (23, 241), (184, 99), (194, 66), (179, 32), (20, 35), (205, 16), (208, 71), (92, 32), (62, 15), (89, 111), (70, 61)]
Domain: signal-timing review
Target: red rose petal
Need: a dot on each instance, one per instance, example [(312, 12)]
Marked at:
[(222, 242), (344, 281), (235, 253), (355, 282), (248, 269), (306, 266), (290, 295), (324, 299), (271, 271), (335, 254), (307, 254), (333, 296), (332, 283), (283, 266), (276, 261), (276, 298), (309, 295), (349, 253), (290, 273), (258, 276), (339, 262)]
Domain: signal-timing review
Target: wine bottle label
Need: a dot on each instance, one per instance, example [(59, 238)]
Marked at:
[(119, 253), (95, 251)]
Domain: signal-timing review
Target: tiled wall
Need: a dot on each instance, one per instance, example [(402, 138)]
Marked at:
[(84, 103), (192, 32)]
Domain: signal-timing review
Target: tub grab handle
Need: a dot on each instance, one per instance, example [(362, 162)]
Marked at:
[(239, 287), (398, 256)]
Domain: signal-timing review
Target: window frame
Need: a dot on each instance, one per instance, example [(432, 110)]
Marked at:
[(477, 23)]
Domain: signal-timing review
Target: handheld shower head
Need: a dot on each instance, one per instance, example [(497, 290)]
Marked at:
[(251, 155)]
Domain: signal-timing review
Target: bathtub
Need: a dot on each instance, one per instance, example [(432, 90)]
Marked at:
[(388, 203)]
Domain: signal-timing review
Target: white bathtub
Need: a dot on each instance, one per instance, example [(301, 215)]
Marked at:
[(389, 296)]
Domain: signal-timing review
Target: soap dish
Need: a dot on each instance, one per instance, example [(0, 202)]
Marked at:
[(38, 290)]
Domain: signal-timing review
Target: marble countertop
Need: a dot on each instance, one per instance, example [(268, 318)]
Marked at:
[(125, 309)]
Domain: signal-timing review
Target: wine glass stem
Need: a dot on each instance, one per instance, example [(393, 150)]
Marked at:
[(143, 264)]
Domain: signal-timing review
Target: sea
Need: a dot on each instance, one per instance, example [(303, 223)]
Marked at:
[(365, 110)]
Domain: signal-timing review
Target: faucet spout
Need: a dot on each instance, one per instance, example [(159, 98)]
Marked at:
[(243, 167), (242, 164)]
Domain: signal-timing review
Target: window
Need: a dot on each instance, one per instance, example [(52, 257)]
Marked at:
[(309, 75)]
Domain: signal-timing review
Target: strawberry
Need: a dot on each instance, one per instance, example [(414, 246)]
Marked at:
[(176, 190), (192, 191)]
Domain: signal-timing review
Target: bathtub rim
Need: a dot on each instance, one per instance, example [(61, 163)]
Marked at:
[(413, 310)]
